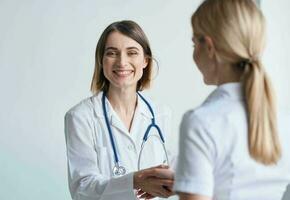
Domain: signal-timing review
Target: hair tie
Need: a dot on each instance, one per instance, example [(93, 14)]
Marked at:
[(244, 63)]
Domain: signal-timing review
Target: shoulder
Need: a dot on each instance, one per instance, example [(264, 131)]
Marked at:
[(160, 109), (217, 117), (193, 119), (83, 109), (219, 111)]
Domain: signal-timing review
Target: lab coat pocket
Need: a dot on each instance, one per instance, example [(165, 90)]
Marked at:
[(103, 160)]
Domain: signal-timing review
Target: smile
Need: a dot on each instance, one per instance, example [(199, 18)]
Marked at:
[(123, 73)]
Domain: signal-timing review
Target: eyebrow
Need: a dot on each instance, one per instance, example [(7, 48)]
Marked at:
[(111, 48), (115, 49)]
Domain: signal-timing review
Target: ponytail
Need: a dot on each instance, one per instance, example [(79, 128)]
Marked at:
[(264, 145)]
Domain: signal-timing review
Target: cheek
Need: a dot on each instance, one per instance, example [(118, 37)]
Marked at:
[(139, 64), (105, 64), (196, 54), (196, 57)]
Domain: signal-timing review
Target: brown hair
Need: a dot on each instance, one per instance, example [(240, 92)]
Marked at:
[(237, 28), (130, 29)]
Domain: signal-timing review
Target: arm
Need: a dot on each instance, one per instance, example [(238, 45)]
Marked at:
[(194, 173), (85, 178)]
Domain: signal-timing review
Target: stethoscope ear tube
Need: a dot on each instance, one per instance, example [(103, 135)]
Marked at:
[(142, 146), (148, 131), (109, 129)]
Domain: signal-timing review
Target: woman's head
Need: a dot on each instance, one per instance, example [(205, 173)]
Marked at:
[(123, 52), (233, 33), (235, 27)]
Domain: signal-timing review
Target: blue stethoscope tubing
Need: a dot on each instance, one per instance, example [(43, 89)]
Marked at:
[(119, 170)]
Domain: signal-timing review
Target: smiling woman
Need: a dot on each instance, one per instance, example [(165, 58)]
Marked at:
[(104, 132), (118, 40), (123, 61)]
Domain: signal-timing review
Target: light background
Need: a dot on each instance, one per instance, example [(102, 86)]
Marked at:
[(46, 64)]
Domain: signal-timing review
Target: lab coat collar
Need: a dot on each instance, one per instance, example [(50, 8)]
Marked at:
[(228, 90), (141, 108), (114, 119)]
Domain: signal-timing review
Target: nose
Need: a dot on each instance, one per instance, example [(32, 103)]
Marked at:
[(122, 60)]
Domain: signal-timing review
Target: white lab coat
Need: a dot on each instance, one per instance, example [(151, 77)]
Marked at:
[(213, 152), (90, 154)]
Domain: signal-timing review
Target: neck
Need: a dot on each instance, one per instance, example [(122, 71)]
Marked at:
[(123, 102), (228, 74)]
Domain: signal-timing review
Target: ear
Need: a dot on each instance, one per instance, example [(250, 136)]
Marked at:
[(209, 46), (146, 61)]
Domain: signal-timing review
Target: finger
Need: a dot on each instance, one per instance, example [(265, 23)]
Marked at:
[(158, 166), (162, 166), (168, 188), (146, 196), (140, 192), (167, 183), (159, 172), (159, 191), (161, 182), (164, 192), (164, 173)]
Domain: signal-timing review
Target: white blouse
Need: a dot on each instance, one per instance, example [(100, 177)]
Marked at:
[(213, 152)]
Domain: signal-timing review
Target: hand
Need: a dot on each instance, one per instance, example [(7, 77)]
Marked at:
[(154, 182)]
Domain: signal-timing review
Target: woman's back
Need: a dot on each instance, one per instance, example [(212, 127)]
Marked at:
[(218, 133)]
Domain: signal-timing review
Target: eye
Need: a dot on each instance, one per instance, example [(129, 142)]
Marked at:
[(132, 53), (111, 53)]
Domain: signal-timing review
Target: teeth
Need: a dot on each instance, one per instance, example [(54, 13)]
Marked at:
[(123, 72)]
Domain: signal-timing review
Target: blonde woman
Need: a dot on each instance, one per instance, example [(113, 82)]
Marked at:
[(104, 133), (234, 146)]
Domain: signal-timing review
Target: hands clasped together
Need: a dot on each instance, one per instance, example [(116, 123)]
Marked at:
[(154, 182)]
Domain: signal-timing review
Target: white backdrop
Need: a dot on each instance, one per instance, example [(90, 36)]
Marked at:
[(46, 64)]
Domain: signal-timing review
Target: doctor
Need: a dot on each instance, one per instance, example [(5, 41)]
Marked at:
[(104, 133), (234, 146)]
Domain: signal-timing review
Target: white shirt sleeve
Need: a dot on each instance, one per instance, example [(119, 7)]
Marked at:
[(194, 173), (85, 180)]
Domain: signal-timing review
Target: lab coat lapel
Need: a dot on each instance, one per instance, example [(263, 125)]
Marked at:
[(141, 121), (143, 108), (117, 123), (142, 115)]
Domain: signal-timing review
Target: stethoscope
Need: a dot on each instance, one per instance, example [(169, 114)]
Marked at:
[(119, 170)]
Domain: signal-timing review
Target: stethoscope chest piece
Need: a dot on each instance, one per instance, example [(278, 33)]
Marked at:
[(119, 170)]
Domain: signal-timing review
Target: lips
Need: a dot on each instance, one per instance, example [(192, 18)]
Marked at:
[(123, 73)]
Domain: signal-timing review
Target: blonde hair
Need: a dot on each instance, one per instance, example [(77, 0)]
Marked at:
[(237, 28), (132, 30)]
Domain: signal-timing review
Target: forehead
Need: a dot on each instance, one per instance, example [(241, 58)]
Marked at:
[(121, 41)]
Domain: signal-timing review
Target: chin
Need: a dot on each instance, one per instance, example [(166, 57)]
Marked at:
[(208, 82), (124, 86)]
